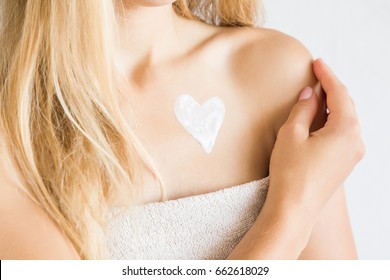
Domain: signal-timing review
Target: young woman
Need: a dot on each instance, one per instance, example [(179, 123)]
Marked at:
[(97, 101)]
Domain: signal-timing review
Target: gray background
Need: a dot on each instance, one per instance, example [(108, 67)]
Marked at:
[(353, 36)]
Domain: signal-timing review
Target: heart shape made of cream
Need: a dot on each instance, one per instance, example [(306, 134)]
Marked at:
[(201, 121)]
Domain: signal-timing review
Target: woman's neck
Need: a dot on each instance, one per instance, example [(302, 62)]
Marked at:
[(148, 35)]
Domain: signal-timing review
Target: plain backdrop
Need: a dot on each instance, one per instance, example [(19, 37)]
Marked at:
[(353, 36)]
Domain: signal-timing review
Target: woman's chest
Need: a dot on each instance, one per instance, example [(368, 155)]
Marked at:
[(169, 130)]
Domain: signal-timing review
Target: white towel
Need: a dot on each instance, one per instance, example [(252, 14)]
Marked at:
[(206, 226)]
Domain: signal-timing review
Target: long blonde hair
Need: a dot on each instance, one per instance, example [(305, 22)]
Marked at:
[(59, 114)]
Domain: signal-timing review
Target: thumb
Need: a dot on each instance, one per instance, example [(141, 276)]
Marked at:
[(304, 111)]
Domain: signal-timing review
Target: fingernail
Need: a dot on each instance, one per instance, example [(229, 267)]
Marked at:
[(306, 93)]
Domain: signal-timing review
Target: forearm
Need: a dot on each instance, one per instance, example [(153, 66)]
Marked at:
[(276, 234)]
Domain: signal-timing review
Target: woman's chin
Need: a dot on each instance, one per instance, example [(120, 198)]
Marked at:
[(150, 3)]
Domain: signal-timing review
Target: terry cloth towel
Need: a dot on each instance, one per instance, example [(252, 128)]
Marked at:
[(206, 226)]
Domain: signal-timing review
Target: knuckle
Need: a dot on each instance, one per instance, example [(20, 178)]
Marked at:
[(357, 149), (361, 150), (355, 126), (304, 105), (351, 131), (351, 126)]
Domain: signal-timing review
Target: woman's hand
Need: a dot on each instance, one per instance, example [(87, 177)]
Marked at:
[(305, 171), (307, 168)]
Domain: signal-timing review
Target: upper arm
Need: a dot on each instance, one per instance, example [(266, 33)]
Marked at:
[(289, 67), (26, 230), (332, 236), (274, 68)]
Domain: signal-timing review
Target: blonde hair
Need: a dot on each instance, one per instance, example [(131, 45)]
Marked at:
[(59, 112), (222, 12)]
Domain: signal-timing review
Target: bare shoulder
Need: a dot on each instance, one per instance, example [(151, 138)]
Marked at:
[(271, 51), (26, 231), (270, 69)]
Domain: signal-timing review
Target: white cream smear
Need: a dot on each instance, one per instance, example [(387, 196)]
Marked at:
[(201, 121)]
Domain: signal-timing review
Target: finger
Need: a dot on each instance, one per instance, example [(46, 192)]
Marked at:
[(337, 97), (353, 105), (303, 113)]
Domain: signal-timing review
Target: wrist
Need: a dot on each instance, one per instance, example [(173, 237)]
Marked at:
[(287, 203), (278, 233), (293, 222)]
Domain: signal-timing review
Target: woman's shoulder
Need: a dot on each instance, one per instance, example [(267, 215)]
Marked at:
[(269, 67), (255, 49)]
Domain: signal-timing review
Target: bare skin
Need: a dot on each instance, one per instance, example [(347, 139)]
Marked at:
[(293, 217), (244, 67), (259, 74)]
